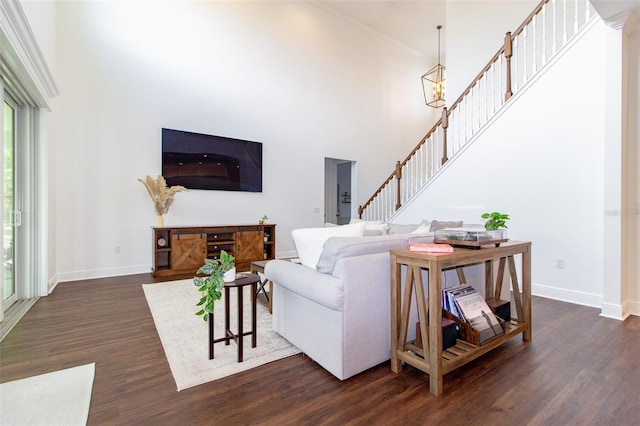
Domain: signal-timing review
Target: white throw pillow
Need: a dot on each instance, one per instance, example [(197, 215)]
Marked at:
[(424, 228), (309, 241), (373, 225)]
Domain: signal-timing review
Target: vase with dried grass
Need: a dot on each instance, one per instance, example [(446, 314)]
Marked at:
[(161, 195)]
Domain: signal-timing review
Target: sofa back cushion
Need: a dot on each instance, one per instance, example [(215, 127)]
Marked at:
[(437, 225), (339, 247), (309, 241)]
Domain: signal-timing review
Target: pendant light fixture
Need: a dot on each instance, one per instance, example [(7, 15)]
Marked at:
[(433, 82)]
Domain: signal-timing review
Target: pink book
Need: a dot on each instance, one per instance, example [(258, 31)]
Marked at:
[(431, 248)]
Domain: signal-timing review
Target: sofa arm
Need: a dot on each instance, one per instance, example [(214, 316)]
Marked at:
[(324, 289)]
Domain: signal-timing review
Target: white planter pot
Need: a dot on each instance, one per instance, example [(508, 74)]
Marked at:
[(230, 275), (497, 234)]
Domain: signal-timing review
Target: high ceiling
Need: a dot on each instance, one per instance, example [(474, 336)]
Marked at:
[(412, 23)]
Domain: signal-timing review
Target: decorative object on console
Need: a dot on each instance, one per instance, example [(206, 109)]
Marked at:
[(212, 284), (496, 221), (472, 236), (263, 219), (161, 195), (430, 248)]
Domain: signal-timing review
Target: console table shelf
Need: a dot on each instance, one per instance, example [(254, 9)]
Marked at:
[(182, 250), (462, 352), (433, 360)]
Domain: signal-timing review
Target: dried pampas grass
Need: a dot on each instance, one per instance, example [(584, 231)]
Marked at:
[(161, 196)]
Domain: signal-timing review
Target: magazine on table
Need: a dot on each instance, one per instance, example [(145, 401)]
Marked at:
[(477, 313)]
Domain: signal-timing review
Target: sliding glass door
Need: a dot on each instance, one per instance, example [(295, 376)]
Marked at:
[(8, 207)]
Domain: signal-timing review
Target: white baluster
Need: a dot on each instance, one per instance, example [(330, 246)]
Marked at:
[(535, 52), (564, 22), (524, 56), (575, 18), (515, 62), (587, 12), (544, 34), (554, 48)]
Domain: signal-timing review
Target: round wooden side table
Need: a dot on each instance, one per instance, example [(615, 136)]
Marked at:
[(229, 335)]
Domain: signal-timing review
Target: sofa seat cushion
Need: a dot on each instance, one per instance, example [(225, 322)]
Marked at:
[(340, 247), (323, 289)]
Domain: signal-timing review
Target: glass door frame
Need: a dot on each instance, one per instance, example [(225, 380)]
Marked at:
[(6, 303)]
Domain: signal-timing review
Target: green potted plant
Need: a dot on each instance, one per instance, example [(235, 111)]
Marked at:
[(263, 219), (210, 281), (494, 224), (227, 261)]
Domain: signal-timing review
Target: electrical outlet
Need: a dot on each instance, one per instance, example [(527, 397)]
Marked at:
[(116, 249), (560, 262)]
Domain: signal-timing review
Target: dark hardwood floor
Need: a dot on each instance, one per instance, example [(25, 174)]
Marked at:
[(579, 369)]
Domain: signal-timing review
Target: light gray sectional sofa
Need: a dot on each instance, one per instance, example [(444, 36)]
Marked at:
[(338, 314)]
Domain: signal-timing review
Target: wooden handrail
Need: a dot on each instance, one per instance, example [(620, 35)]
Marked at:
[(475, 80), (402, 164), (529, 18), (422, 142)]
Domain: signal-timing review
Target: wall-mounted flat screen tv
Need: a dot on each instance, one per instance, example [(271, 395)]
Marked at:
[(199, 161)]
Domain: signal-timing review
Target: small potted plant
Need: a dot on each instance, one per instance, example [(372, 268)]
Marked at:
[(212, 283), (227, 262), (263, 219), (494, 224)]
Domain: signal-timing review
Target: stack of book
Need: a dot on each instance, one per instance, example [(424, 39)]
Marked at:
[(466, 304)]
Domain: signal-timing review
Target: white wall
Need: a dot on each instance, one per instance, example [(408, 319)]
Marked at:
[(541, 162), (306, 83)]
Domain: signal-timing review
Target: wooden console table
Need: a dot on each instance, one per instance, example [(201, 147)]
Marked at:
[(432, 360), (181, 250)]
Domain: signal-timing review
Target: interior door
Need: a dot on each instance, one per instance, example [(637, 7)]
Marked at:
[(249, 248)]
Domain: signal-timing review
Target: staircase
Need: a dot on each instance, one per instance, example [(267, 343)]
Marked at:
[(552, 27)]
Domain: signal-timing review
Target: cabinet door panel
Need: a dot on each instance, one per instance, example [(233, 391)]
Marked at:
[(249, 248), (187, 251)]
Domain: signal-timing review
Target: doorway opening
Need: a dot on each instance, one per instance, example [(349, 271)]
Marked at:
[(339, 191)]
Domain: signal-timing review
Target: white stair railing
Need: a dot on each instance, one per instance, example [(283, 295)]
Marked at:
[(545, 32)]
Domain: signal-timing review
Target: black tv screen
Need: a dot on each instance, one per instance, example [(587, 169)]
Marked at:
[(198, 161)]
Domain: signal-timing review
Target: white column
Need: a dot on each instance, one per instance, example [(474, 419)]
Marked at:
[(616, 113)]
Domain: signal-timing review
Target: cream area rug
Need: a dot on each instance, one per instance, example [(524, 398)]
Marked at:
[(184, 335), (58, 398)]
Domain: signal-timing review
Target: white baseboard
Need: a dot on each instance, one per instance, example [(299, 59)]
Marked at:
[(632, 308), (564, 295), (608, 310), (101, 273)]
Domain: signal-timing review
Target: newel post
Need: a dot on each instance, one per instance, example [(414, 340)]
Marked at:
[(508, 52), (445, 124), (398, 177)]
